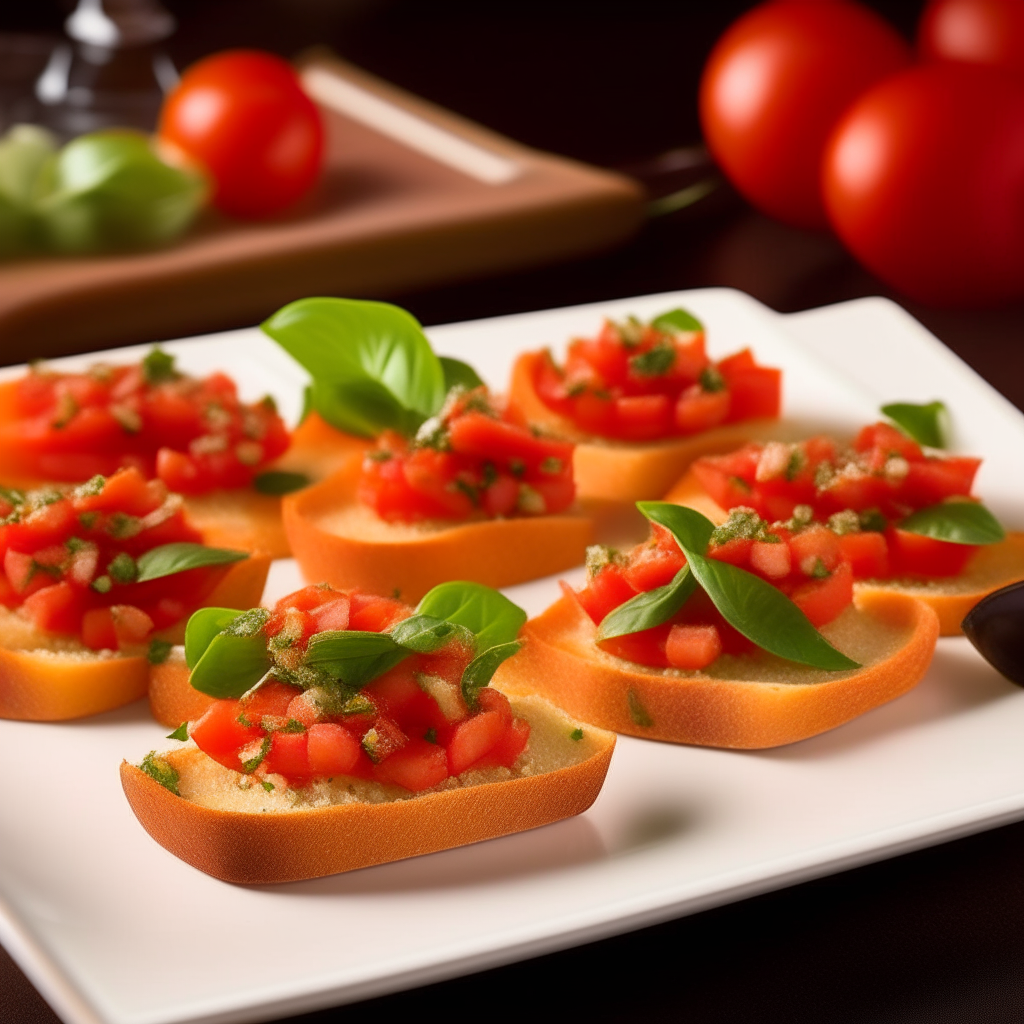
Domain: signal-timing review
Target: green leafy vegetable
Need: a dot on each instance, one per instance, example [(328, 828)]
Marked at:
[(231, 665), (957, 522), (158, 366), (491, 616), (424, 633), (480, 670), (202, 627), (180, 734), (758, 610), (354, 657), (169, 559), (109, 189), (677, 320), (458, 374), (926, 424), (576, 734), (371, 363), (159, 651), (160, 771), (277, 481), (645, 611)]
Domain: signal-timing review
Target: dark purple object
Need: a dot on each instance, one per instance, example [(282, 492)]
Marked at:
[(995, 625)]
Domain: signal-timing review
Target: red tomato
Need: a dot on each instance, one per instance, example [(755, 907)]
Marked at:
[(243, 115), (922, 179), (774, 87), (976, 31)]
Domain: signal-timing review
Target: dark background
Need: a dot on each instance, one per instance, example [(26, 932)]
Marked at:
[(934, 936)]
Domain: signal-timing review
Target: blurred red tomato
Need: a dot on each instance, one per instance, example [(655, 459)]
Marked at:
[(978, 31), (243, 115), (923, 179), (775, 85)]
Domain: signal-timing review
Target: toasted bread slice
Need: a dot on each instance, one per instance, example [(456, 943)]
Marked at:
[(952, 597), (338, 540), (745, 701), (253, 836), (623, 470), (46, 678)]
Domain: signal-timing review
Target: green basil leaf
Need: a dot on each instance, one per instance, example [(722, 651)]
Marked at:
[(645, 611), (371, 363), (202, 627), (491, 616), (956, 522), (231, 665), (109, 189), (459, 374), (180, 734), (758, 610), (169, 559), (923, 423), (676, 320), (481, 669), (355, 657), (277, 481), (424, 633)]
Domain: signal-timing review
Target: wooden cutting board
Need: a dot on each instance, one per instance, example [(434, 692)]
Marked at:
[(411, 196)]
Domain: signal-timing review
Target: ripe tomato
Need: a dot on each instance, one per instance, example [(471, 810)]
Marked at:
[(774, 86), (923, 179), (977, 31), (243, 115)]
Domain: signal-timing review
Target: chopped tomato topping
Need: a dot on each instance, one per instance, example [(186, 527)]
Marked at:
[(636, 382), (194, 434), (409, 727), (466, 462), (857, 495), (69, 559)]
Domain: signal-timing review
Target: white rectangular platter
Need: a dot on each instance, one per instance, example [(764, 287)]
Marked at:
[(114, 930)]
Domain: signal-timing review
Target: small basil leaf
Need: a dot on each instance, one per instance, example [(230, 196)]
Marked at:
[(923, 423), (180, 734), (758, 610), (369, 355), (231, 665), (424, 633), (645, 611), (202, 627), (278, 481), (676, 320), (956, 522), (457, 373), (481, 669), (491, 616), (169, 559), (355, 657)]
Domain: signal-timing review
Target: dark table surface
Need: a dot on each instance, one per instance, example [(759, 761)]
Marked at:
[(933, 936)]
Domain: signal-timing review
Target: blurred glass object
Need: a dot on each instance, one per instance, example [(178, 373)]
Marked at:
[(110, 71)]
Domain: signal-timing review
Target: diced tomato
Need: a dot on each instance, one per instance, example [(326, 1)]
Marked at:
[(728, 479), (50, 524), (773, 561), (755, 392), (645, 648), (289, 756), (910, 554), (473, 737), (594, 414), (816, 550), (375, 614), (476, 434), (98, 630), (932, 480), (867, 553), (131, 625), (272, 699), (219, 734), (643, 417), (652, 566), (331, 749), (417, 766), (735, 551), (698, 410), (692, 647), (178, 471), (501, 498), (126, 491), (19, 569), (607, 590), (396, 693), (332, 615), (55, 609), (508, 748), (887, 438), (822, 600)]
